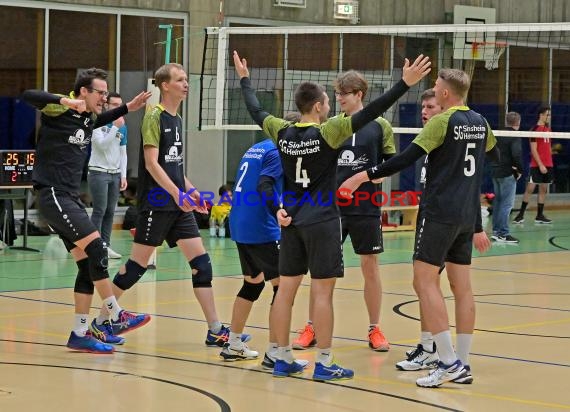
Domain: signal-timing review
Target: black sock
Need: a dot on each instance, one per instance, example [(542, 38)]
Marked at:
[(523, 208), (540, 209)]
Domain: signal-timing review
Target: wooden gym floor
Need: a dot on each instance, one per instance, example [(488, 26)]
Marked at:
[(520, 360)]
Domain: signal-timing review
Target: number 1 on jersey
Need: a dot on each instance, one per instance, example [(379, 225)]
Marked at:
[(301, 174)]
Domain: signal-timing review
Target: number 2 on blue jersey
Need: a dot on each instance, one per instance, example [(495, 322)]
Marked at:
[(243, 168)]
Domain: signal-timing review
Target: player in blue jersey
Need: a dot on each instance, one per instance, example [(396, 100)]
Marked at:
[(254, 228)]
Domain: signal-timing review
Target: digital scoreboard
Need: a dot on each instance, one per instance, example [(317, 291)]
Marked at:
[(17, 167)]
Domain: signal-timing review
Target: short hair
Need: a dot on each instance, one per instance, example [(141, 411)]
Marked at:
[(162, 74), (223, 189), (458, 81), (512, 119), (114, 95), (543, 109), (427, 94), (294, 117), (351, 81), (85, 79), (307, 94)]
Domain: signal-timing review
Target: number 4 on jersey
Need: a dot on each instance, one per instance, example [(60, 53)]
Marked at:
[(301, 174)]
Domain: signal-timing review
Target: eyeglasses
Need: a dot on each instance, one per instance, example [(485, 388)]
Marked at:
[(342, 94), (100, 92)]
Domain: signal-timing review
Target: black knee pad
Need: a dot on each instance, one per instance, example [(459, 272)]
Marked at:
[(97, 255), (251, 291), (83, 282), (275, 289), (203, 277), (130, 277)]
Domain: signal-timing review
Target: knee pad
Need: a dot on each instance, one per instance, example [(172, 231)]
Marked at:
[(251, 291), (83, 282), (130, 277), (97, 255), (203, 276), (275, 289)]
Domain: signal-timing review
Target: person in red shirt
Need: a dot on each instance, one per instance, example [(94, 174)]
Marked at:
[(540, 168)]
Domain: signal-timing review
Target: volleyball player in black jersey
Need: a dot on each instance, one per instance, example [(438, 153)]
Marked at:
[(67, 123), (166, 199), (450, 224), (361, 217), (311, 234)]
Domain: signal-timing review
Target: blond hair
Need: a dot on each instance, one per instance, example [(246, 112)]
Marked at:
[(457, 80), (162, 74)]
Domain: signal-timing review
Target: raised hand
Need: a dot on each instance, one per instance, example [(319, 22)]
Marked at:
[(241, 66), (417, 70), (138, 101)]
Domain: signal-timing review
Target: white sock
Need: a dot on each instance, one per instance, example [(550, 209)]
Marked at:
[(113, 307), (103, 315), (445, 347), (272, 349), (235, 339), (427, 341), (99, 320), (285, 353), (372, 326), (215, 327), (324, 357), (464, 341), (80, 325)]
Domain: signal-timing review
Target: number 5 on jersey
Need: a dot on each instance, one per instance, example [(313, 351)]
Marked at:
[(470, 159), (301, 174)]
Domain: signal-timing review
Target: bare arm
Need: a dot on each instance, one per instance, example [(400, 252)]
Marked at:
[(161, 177), (196, 197), (536, 156), (135, 104), (534, 153)]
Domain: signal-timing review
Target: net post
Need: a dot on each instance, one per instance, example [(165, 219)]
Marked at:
[(168, 28), (221, 68)]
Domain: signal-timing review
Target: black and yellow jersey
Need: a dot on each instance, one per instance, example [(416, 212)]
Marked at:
[(366, 148), (309, 154), (63, 141), (456, 141), (162, 130)]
